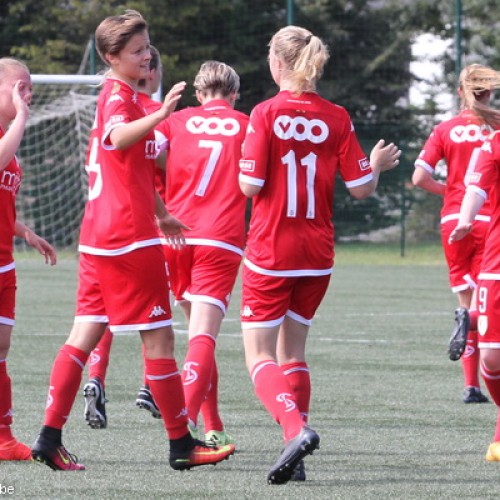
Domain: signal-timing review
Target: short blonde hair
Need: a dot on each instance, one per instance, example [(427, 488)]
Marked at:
[(215, 77), (9, 62), (303, 54), (114, 32), (474, 81)]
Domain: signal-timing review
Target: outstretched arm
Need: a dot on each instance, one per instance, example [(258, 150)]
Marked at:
[(37, 242), (471, 204), (382, 157)]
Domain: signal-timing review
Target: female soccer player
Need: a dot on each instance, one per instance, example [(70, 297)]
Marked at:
[(94, 390), (295, 145), (485, 184), (121, 260), (15, 99), (458, 141), (202, 190)]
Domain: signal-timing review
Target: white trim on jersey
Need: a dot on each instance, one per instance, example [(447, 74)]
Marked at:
[(482, 218), (359, 182), (214, 243), (478, 190), (251, 180), (423, 164), (489, 276), (119, 251), (206, 299), (7, 267), (289, 273), (107, 133)]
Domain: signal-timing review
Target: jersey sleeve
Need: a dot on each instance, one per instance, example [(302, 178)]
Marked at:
[(432, 152), (116, 112), (485, 173), (253, 164), (355, 167)]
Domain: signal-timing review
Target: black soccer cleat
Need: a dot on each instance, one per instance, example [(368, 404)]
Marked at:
[(458, 339), (146, 401), (300, 446), (95, 404), (474, 395), (299, 474)]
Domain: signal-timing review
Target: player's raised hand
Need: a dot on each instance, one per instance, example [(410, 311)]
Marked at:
[(384, 157), (172, 98)]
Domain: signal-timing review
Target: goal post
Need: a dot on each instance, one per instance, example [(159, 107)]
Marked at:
[(52, 156)]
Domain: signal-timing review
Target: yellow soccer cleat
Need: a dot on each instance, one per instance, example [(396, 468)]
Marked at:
[(493, 453)]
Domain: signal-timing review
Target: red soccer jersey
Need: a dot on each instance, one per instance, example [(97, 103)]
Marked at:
[(486, 181), (294, 148), (120, 211), (202, 173), (10, 180), (458, 141), (150, 106)]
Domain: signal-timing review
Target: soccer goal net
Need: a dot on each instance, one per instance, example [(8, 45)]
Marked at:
[(52, 156)]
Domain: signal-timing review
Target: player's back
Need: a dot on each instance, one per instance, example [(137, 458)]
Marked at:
[(202, 170)]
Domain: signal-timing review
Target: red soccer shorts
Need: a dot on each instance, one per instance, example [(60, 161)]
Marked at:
[(488, 306), (129, 291), (8, 297), (464, 256), (201, 273), (267, 299)]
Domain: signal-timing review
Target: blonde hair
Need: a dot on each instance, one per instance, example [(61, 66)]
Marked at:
[(303, 54), (114, 32), (9, 62), (475, 81), (216, 77)]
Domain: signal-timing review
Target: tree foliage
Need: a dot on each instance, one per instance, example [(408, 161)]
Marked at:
[(368, 73)]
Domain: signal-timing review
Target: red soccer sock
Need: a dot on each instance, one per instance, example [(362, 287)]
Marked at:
[(273, 390), (210, 405), (470, 361), (299, 378), (492, 381), (473, 315), (5, 404), (64, 382), (99, 358), (165, 383), (197, 372)]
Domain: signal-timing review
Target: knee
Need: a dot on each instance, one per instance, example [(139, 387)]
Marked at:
[(491, 359)]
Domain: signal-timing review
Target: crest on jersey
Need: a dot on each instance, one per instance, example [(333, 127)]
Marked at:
[(247, 165), (364, 163), (482, 324)]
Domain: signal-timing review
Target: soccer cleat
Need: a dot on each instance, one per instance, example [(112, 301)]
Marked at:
[(218, 438), (474, 395), (458, 339), (56, 457), (297, 448), (14, 450), (299, 474), (201, 454), (493, 453), (146, 401), (95, 401)]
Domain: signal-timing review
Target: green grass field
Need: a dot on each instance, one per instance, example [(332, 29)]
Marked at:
[(386, 399)]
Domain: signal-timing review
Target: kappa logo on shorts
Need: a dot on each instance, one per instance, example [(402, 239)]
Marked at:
[(247, 312), (157, 311)]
